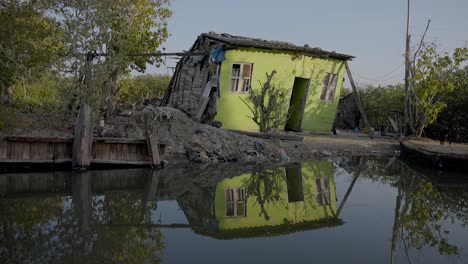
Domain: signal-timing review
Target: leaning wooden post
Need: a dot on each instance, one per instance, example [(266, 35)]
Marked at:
[(152, 143), (356, 97), (83, 138)]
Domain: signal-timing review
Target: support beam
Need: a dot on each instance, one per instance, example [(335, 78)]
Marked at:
[(356, 97), (348, 192)]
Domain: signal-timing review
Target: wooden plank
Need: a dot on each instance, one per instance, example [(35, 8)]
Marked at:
[(356, 97), (83, 138), (153, 151), (205, 97), (57, 161), (38, 151), (3, 149), (60, 151), (39, 139), (269, 135), (20, 150)]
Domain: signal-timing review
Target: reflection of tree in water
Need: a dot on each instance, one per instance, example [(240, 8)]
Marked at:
[(266, 186), (419, 216), (420, 209), (52, 230)]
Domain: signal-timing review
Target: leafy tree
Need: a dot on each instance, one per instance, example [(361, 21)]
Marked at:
[(433, 74), (99, 34), (456, 111), (267, 105), (142, 87), (29, 44), (379, 101)]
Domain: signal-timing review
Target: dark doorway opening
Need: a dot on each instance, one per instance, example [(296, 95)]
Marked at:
[(297, 104), (294, 184)]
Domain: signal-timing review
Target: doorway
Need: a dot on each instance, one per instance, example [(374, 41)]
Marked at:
[(297, 104)]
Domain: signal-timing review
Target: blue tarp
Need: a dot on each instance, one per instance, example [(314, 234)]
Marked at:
[(217, 55)]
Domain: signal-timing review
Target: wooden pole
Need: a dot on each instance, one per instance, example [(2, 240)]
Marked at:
[(407, 69), (83, 138), (356, 97)]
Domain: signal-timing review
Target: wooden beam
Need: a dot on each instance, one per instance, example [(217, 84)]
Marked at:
[(83, 138), (348, 192), (356, 97)]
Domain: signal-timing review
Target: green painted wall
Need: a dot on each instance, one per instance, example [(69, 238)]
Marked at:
[(280, 211), (318, 115)]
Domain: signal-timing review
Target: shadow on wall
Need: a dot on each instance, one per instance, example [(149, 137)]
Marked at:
[(319, 114)]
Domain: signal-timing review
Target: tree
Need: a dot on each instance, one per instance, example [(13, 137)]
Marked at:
[(100, 34), (433, 74), (138, 88), (379, 101), (268, 105), (29, 43)]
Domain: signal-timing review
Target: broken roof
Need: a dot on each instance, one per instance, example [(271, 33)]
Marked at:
[(239, 41)]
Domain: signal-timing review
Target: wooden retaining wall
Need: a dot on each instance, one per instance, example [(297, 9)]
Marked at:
[(42, 150)]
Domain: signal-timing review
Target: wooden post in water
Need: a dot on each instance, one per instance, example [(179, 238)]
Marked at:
[(152, 143), (83, 138)]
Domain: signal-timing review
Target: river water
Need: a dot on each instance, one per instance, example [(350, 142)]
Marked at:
[(342, 210)]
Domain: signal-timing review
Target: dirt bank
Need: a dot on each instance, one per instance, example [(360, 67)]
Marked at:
[(200, 143)]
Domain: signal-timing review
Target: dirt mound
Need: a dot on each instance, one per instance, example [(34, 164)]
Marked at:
[(200, 142)]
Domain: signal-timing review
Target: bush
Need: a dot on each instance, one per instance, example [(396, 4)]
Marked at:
[(138, 88)]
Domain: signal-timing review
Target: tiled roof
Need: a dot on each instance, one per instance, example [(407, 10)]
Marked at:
[(239, 41)]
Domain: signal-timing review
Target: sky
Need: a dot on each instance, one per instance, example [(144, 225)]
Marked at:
[(371, 30)]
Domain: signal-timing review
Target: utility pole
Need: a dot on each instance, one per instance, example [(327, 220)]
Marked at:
[(407, 70)]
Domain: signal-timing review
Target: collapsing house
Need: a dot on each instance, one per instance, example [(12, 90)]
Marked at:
[(219, 70)]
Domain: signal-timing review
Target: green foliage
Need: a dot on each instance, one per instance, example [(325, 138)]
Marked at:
[(268, 105), (44, 94), (344, 91), (379, 101), (29, 43), (433, 74), (7, 116), (456, 111), (114, 29), (142, 87), (52, 230)]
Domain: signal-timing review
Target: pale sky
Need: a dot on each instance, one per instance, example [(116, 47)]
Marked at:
[(371, 30)]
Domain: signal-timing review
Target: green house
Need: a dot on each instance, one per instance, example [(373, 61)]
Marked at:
[(220, 69), (293, 198)]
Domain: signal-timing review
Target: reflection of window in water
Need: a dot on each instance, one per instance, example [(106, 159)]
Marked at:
[(323, 191), (235, 202)]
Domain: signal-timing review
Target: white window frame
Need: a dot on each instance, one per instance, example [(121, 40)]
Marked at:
[(239, 199), (240, 80), (329, 83)]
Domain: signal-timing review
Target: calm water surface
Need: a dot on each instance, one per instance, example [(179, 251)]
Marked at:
[(344, 210)]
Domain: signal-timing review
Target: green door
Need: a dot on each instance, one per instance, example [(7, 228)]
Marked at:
[(297, 104)]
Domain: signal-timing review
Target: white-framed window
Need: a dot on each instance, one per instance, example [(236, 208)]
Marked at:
[(241, 76), (235, 202), (323, 191), (329, 87)]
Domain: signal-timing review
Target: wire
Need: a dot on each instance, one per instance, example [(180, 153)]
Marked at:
[(381, 78)]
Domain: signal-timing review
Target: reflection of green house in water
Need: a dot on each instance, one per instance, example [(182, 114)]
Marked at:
[(285, 200)]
